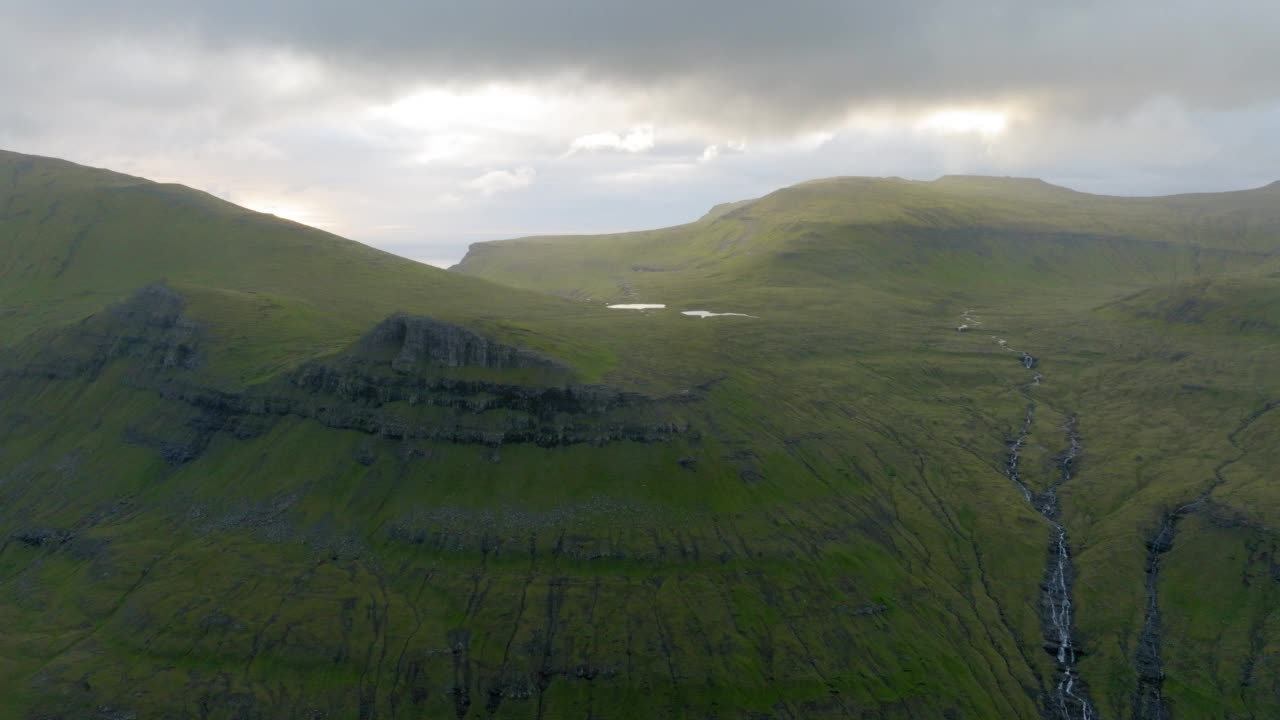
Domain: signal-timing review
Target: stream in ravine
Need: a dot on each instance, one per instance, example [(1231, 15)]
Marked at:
[(1069, 699)]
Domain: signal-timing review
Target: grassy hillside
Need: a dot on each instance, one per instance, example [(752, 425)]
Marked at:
[(234, 483), (273, 291), (1154, 323), (989, 237)]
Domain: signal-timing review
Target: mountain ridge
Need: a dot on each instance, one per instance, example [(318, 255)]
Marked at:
[(873, 228), (72, 226), (302, 478)]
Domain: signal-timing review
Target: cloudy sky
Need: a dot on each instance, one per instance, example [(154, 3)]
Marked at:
[(420, 126)]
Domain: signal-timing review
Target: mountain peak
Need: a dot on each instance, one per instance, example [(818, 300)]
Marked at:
[(1005, 180), (964, 177), (999, 184)]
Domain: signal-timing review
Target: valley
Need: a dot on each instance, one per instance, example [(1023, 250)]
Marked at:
[(250, 469)]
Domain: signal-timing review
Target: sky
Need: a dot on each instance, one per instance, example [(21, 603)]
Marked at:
[(421, 126)]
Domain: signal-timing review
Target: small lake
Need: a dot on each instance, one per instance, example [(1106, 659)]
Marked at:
[(707, 314), (704, 314)]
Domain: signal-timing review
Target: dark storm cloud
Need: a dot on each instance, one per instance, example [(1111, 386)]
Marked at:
[(747, 65)]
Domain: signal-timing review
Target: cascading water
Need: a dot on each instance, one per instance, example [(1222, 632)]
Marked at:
[(1015, 453), (1047, 503), (1069, 700), (1068, 696)]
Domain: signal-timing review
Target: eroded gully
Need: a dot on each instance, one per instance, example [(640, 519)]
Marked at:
[(1148, 699), (1069, 699)]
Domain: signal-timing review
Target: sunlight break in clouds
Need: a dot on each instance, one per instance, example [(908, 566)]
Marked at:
[(958, 122), (422, 127), (494, 106), (638, 139), (289, 211)]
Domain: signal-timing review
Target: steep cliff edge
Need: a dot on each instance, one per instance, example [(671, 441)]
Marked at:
[(410, 377)]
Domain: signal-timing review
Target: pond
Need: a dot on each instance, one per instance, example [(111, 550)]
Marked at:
[(706, 314)]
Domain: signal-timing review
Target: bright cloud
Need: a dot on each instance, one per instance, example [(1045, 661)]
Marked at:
[(422, 127), (498, 107), (496, 181), (732, 147), (638, 139)]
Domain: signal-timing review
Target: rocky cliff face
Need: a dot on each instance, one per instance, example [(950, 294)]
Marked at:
[(395, 382), (150, 329), (156, 326), (420, 342)]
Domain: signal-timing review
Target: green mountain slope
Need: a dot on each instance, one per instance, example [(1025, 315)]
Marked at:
[(77, 239), (1153, 324), (249, 469), (989, 235)]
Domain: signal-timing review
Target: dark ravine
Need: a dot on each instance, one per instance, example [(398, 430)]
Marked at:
[(1047, 502), (1014, 456), (1148, 698), (1069, 699), (1070, 695)]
